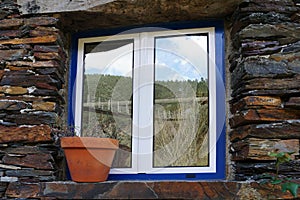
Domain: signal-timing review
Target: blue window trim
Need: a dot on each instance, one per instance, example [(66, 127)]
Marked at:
[(220, 107)]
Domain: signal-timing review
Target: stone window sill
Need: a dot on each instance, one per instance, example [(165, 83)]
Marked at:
[(145, 190)]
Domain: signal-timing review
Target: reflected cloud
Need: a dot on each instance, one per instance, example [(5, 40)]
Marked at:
[(116, 62), (187, 55)]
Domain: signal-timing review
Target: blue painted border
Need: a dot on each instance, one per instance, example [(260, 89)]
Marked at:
[(220, 64)]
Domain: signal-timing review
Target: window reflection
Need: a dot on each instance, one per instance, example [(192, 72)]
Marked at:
[(181, 101), (107, 102)]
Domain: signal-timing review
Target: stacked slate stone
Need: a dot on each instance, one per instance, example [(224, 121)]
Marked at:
[(265, 83), (32, 62)]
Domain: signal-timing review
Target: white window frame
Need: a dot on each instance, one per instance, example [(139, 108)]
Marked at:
[(144, 59)]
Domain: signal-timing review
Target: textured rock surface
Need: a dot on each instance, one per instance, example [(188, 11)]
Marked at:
[(32, 67), (137, 7), (264, 65), (121, 13), (40, 133), (265, 86), (145, 190)]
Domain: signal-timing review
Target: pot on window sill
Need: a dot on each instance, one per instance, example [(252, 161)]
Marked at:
[(89, 159)]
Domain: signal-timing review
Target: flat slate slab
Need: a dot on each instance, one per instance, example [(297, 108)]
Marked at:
[(146, 190)]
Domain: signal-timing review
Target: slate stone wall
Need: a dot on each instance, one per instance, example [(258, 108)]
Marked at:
[(32, 70), (264, 103), (265, 84)]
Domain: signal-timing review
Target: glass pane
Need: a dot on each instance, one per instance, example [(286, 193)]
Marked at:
[(107, 95), (181, 101)]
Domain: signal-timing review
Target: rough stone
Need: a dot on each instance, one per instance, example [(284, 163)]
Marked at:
[(294, 66), (265, 18), (37, 64), (291, 48), (37, 180), (269, 191), (47, 49), (286, 33), (72, 191), (151, 190), (11, 33), (44, 92), (10, 55), (42, 31), (33, 40), (3, 187), (286, 6), (293, 102), (263, 115), (130, 13), (45, 86), (3, 47), (41, 21), (28, 80), (8, 179), (259, 149), (21, 46), (212, 8), (279, 83), (254, 47), (13, 105), (265, 89), (256, 102), (289, 57), (22, 190), (267, 86), (23, 150), (282, 130), (296, 18), (266, 92), (14, 68), (30, 98), (36, 118), (14, 90), (11, 23), (3, 14), (44, 106), (31, 134), (54, 72), (47, 56), (161, 190), (28, 172), (37, 161), (254, 169), (259, 67), (10, 167)]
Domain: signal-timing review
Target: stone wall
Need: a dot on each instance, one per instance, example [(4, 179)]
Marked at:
[(32, 69), (264, 72), (265, 83)]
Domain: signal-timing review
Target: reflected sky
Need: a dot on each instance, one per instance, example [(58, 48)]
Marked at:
[(181, 57), (118, 61), (176, 58)]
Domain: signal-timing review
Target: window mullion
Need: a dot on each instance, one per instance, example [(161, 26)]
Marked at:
[(79, 88), (146, 80), (135, 106)]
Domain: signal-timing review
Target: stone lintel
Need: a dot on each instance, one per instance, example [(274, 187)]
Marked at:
[(212, 7), (41, 6)]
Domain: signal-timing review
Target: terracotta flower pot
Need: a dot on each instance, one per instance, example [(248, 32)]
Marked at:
[(89, 159)]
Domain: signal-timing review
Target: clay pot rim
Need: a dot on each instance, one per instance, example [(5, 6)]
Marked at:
[(89, 142)]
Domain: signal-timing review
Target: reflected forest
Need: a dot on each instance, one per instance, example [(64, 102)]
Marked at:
[(180, 118)]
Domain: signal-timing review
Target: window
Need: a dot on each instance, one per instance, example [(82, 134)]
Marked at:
[(160, 92)]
